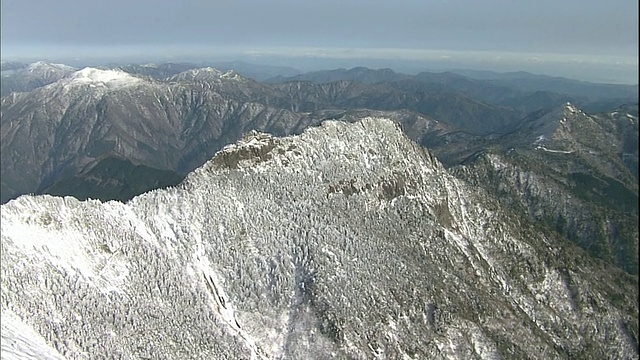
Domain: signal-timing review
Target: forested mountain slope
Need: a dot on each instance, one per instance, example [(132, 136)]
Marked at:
[(348, 241)]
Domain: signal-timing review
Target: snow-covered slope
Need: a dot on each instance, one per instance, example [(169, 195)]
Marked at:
[(562, 130), (20, 341), (573, 172), (47, 69), (348, 241), (205, 74), (111, 79), (33, 76)]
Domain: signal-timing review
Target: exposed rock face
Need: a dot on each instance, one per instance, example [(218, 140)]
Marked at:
[(348, 241)]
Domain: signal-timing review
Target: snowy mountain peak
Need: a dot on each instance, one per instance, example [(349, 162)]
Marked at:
[(563, 114), (570, 109), (343, 242), (206, 73), (41, 66), (232, 75), (112, 79), (562, 130), (367, 144), (208, 69), (253, 139)]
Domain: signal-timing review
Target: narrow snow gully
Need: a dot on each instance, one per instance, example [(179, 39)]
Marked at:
[(222, 306)]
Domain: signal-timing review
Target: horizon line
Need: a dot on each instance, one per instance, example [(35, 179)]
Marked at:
[(613, 69)]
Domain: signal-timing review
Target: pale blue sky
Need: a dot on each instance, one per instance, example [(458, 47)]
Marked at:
[(578, 30)]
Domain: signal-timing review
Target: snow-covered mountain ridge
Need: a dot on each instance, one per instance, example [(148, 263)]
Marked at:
[(347, 241), (204, 74), (112, 79), (45, 68), (26, 77), (575, 172)]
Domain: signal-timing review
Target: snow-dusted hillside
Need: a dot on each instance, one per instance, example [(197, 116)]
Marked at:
[(348, 241), (205, 74), (573, 172), (32, 76)]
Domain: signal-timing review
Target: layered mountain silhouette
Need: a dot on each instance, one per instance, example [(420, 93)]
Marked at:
[(54, 131), (573, 171)]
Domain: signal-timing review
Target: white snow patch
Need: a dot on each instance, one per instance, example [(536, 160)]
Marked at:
[(570, 107), (231, 75), (330, 253), (21, 341), (142, 230), (224, 308), (553, 292), (539, 140), (239, 208), (481, 345), (111, 79), (206, 73), (256, 143), (71, 250), (554, 151), (207, 69), (163, 224)]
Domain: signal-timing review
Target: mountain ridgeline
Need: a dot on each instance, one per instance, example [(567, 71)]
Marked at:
[(574, 172), (114, 132), (349, 241)]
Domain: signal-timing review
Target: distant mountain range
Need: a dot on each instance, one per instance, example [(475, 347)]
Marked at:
[(512, 89), (19, 77), (114, 132), (178, 123)]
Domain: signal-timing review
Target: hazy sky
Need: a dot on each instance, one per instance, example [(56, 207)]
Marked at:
[(579, 30)]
